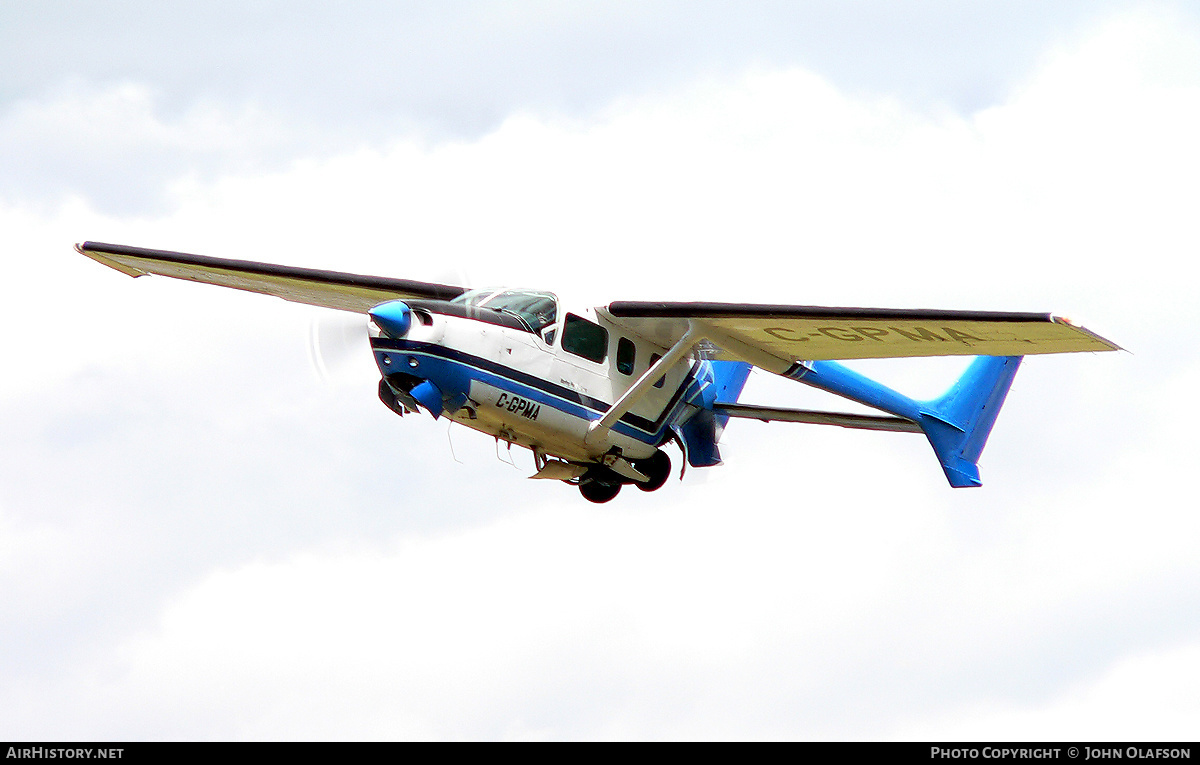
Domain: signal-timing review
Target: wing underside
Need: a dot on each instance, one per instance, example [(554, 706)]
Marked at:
[(787, 334), (330, 289)]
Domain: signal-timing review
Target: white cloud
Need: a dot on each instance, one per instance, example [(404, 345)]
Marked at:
[(117, 147), (459, 70)]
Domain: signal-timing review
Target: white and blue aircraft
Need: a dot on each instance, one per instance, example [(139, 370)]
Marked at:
[(596, 392)]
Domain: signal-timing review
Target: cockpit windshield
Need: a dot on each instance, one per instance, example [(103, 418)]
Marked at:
[(473, 297), (535, 309)]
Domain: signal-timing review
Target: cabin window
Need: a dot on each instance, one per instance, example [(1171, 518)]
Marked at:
[(583, 338), (654, 357), (626, 354)]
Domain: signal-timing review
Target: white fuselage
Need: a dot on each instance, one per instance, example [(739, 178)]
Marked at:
[(527, 389)]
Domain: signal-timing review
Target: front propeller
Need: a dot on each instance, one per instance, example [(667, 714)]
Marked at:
[(338, 348)]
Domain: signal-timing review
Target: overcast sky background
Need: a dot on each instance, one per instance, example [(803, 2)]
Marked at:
[(202, 537)]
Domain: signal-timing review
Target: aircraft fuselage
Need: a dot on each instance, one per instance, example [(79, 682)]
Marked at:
[(494, 375)]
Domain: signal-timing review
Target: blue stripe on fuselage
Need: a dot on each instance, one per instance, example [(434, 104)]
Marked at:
[(542, 391)]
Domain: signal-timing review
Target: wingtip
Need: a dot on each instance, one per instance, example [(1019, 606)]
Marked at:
[(86, 250), (1078, 326)]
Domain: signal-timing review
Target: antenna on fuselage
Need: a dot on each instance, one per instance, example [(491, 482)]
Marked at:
[(508, 461), (450, 440)]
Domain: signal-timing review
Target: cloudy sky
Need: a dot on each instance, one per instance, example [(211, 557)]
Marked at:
[(205, 536)]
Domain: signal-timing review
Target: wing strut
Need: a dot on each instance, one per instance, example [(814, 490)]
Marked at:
[(598, 428)]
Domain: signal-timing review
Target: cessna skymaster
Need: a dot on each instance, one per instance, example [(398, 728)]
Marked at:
[(596, 392)]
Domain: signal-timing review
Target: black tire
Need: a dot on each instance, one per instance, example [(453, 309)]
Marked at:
[(658, 468), (599, 492)]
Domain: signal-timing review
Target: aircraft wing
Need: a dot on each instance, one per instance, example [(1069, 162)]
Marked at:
[(330, 289), (775, 335)]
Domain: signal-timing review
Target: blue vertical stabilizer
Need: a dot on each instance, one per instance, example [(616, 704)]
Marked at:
[(957, 423)]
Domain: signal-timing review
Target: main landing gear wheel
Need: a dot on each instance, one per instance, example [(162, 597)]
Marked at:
[(599, 492), (658, 468)]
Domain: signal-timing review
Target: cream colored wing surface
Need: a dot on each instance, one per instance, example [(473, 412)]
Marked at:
[(811, 333), (330, 289)]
